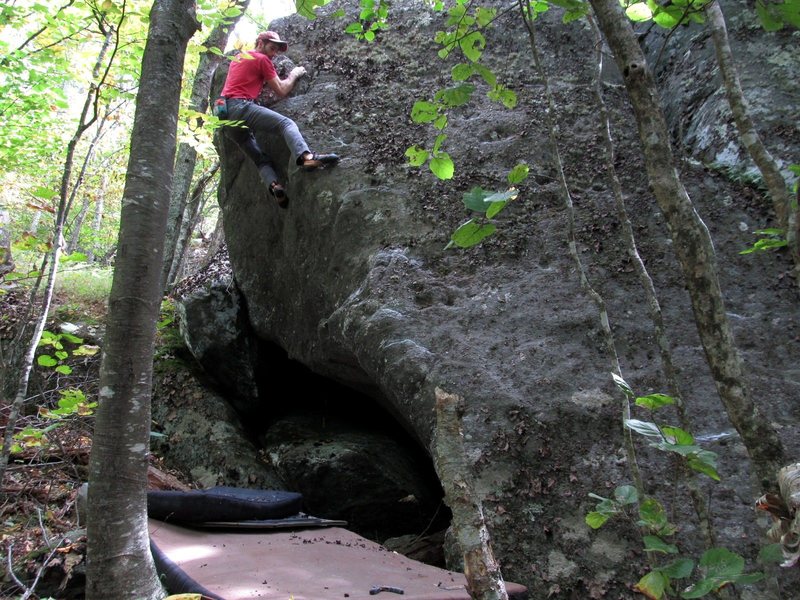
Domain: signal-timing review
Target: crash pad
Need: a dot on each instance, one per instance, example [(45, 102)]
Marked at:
[(305, 564)]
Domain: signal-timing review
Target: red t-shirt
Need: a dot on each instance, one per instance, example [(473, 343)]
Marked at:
[(247, 74)]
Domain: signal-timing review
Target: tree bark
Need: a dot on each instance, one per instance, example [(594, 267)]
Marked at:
[(692, 244), (186, 158), (191, 217), (748, 134), (119, 563), (6, 258), (484, 581)]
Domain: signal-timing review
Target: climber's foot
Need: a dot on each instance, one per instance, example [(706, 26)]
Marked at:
[(310, 161), (279, 193)]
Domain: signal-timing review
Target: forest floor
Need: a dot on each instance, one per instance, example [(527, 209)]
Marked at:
[(42, 537)]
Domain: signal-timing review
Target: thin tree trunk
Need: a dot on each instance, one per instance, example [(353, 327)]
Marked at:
[(119, 563), (33, 226), (216, 241), (6, 258), (77, 224), (692, 244), (608, 336), (188, 225), (656, 315), (64, 204), (97, 218), (186, 158), (748, 134), (484, 581)]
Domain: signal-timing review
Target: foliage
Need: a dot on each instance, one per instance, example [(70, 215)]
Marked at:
[(308, 8), (776, 14), (373, 18), (717, 567), (487, 204), (773, 14), (59, 352), (465, 35)]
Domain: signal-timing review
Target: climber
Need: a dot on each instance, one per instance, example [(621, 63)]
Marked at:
[(248, 73)]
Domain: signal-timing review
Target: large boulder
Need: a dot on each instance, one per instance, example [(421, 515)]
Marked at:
[(354, 281)]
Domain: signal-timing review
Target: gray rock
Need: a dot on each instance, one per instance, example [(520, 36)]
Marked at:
[(353, 280), (213, 323), (349, 472)]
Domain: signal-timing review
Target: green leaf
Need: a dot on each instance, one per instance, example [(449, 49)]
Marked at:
[(437, 144), (63, 369), (654, 401), (45, 360), (771, 554), (472, 45), (471, 233), (654, 543), (677, 436), (639, 12), (596, 520), (653, 585), (86, 350), (442, 166), (668, 16), (474, 199), (704, 462), (44, 193), (487, 74), (721, 562), (354, 28), (653, 516), (456, 96), (423, 112), (518, 174), (623, 385), (626, 494), (417, 156), (645, 428), (485, 16), (72, 339), (495, 208), (498, 201), (462, 72), (699, 589), (680, 568)]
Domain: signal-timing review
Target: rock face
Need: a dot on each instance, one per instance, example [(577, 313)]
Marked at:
[(354, 280), (343, 470)]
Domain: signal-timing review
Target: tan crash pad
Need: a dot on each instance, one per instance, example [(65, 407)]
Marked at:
[(311, 564)]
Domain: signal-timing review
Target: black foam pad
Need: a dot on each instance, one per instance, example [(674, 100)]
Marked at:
[(222, 504)]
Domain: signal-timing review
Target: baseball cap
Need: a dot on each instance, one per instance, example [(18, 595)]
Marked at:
[(271, 36)]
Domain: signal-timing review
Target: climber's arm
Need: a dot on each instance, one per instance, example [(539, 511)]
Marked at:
[(282, 87)]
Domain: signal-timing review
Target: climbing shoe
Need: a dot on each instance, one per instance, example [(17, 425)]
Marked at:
[(279, 193), (312, 161)]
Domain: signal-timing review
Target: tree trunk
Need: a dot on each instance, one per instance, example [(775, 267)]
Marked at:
[(189, 222), (77, 224), (748, 134), (97, 219), (692, 244), (186, 158), (119, 564), (6, 258), (484, 581)]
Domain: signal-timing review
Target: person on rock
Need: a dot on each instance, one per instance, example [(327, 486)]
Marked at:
[(248, 73)]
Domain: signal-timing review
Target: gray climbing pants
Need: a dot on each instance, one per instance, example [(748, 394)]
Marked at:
[(258, 119)]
